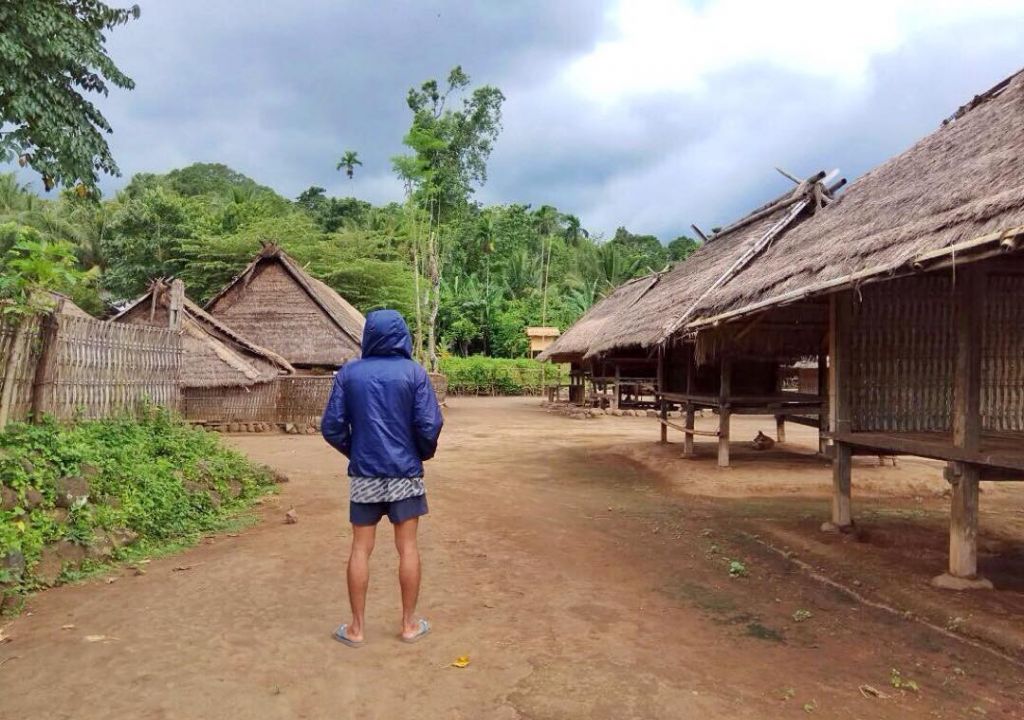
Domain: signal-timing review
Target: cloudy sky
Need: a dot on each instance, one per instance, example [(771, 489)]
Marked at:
[(646, 113)]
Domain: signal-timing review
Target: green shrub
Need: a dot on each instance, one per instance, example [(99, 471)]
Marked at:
[(153, 479), (481, 375)]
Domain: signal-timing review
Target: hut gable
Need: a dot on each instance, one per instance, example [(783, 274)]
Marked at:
[(216, 355), (957, 192), (643, 312), (279, 305)]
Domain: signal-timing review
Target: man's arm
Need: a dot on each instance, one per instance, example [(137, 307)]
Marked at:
[(335, 423), (427, 420)]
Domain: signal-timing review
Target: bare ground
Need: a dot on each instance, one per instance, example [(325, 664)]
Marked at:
[(583, 568)]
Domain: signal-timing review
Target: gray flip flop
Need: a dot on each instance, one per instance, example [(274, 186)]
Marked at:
[(341, 635), (422, 629)]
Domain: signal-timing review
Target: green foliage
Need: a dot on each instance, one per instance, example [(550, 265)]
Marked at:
[(52, 54), (737, 569), (482, 375), (157, 477), (32, 265)]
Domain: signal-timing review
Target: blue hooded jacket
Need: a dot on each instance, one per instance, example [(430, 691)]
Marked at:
[(382, 413)]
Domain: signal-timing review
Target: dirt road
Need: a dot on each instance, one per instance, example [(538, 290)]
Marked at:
[(579, 583)]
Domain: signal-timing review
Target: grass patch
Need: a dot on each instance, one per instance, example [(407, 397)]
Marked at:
[(81, 497)]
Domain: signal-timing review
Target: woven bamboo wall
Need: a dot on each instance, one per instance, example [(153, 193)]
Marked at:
[(904, 350), (297, 399), (24, 372), (1002, 372), (104, 368)]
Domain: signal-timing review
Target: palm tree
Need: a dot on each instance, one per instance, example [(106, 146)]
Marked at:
[(349, 161), (574, 231)]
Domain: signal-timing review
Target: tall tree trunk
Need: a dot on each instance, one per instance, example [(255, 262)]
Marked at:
[(434, 270), (418, 339)]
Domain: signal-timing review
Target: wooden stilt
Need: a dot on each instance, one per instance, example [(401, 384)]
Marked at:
[(963, 525), (823, 395), (840, 319), (616, 390), (689, 423), (780, 428), (724, 392), (662, 405)]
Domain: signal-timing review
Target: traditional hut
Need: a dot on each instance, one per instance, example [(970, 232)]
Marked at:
[(640, 322), (541, 338), (921, 265), (280, 306), (222, 372)]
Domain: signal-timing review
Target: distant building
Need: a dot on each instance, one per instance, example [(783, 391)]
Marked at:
[(541, 338)]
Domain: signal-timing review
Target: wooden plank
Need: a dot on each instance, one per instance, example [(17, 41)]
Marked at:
[(46, 368), (662, 404), (967, 379), (895, 444), (804, 420)]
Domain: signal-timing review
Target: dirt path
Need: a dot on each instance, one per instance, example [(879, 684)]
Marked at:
[(579, 584)]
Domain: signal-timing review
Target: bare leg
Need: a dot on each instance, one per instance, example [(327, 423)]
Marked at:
[(363, 538), (408, 573)]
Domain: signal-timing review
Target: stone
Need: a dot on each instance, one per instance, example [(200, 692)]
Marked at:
[(14, 563), (8, 498), (234, 488), (234, 427), (831, 527), (289, 428), (71, 491), (101, 548), (55, 558), (279, 477), (617, 413), (945, 581), (215, 498), (291, 517), (33, 499), (652, 413), (58, 515), (27, 466), (88, 471), (122, 536)]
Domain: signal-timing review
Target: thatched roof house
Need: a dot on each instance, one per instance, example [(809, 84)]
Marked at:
[(277, 304), (643, 312), (958, 193), (215, 355)]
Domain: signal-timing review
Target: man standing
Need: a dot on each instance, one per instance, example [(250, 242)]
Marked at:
[(384, 417)]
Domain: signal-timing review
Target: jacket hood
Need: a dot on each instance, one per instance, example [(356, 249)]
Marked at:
[(386, 334)]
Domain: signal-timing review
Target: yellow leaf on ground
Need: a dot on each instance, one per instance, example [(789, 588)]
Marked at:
[(461, 661)]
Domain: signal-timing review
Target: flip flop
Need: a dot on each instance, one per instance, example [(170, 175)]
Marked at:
[(341, 635), (421, 629)]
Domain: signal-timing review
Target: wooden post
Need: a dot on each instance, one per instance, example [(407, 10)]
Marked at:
[(724, 393), (46, 368), (963, 526), (616, 389), (15, 357), (823, 397), (780, 428), (840, 327), (662, 405), (176, 304), (689, 423)]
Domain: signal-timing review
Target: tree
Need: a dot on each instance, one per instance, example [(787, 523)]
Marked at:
[(681, 248), (349, 161), (450, 149), (52, 53)]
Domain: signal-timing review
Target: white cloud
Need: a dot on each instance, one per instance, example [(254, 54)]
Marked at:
[(661, 46)]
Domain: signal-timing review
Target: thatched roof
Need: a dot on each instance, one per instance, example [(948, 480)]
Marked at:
[(278, 304), (215, 355), (955, 196), (642, 312)]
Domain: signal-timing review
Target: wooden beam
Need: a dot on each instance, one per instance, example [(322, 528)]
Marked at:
[(724, 390), (689, 431), (840, 410), (823, 397)]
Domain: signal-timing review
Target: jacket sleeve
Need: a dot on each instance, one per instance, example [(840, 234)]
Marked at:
[(335, 425), (427, 420)]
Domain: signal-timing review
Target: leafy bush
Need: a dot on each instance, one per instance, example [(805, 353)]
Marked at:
[(480, 375), (149, 480)]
